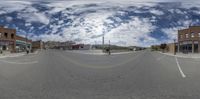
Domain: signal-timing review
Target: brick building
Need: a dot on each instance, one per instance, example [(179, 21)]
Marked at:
[(7, 39), (11, 42), (189, 40)]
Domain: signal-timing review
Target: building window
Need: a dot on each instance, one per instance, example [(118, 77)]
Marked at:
[(0, 35), (6, 35), (186, 36), (199, 34), (12, 36), (192, 34), (181, 36)]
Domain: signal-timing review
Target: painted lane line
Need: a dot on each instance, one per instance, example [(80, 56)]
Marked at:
[(179, 68), (33, 62)]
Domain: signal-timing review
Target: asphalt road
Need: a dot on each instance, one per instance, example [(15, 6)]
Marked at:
[(56, 74)]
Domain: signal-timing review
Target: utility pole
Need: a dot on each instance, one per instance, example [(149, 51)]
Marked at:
[(95, 44), (103, 41), (27, 43), (109, 44)]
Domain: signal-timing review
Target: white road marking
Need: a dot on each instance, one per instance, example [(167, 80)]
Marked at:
[(179, 68), (33, 62)]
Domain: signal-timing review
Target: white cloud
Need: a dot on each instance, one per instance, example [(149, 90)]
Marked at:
[(136, 32), (156, 12), (25, 11), (34, 17), (10, 6), (2, 12), (90, 25), (177, 11), (48, 37), (9, 19), (172, 33), (27, 24)]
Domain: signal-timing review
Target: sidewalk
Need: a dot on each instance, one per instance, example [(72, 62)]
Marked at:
[(181, 55), (6, 54)]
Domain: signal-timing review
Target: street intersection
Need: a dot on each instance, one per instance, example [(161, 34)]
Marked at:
[(55, 74)]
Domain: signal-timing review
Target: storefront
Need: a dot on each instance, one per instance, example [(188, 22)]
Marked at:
[(6, 45), (189, 46), (21, 46)]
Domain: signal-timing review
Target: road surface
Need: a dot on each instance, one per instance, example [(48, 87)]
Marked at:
[(54, 74)]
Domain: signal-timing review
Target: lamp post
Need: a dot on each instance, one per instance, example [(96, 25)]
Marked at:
[(174, 46)]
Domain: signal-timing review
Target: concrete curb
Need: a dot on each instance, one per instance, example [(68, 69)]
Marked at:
[(180, 56)]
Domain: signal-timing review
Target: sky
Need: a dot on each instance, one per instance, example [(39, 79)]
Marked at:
[(123, 22)]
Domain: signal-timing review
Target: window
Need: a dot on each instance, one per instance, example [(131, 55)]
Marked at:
[(181, 36), (199, 34), (12, 36), (186, 36), (192, 34), (0, 35), (6, 35)]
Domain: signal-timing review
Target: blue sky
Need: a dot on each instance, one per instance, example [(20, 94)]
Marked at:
[(125, 22)]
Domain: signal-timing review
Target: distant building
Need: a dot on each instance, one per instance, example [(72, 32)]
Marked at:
[(136, 48), (189, 40), (171, 48), (37, 45), (22, 43), (59, 45), (155, 47), (81, 47)]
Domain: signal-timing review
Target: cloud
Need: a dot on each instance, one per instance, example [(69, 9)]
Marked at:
[(25, 11), (156, 12), (134, 33), (9, 19), (11, 6), (34, 17), (87, 26), (124, 22), (172, 33)]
